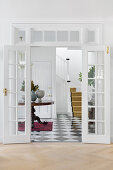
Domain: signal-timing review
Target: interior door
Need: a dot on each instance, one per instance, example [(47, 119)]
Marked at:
[(96, 95), (17, 100)]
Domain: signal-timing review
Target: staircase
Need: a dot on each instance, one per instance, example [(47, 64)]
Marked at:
[(76, 101)]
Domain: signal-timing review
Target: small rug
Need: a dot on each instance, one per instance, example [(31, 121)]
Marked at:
[(37, 126)]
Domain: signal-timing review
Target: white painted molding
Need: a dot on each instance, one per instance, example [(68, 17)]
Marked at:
[(1, 139), (52, 20), (111, 139)]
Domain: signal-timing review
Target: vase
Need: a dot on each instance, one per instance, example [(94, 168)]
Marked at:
[(33, 96), (40, 94)]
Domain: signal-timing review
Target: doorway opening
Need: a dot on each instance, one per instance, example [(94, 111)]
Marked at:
[(17, 94), (58, 71)]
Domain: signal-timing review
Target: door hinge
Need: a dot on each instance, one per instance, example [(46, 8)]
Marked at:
[(5, 91), (108, 50)]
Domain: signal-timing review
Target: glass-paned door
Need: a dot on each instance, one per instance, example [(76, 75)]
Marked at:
[(17, 109), (96, 95)]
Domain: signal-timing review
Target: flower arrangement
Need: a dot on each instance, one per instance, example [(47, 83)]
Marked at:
[(33, 87)]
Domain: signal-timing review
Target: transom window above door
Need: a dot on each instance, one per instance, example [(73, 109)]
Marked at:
[(57, 33)]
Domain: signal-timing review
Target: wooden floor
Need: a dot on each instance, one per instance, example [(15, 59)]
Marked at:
[(56, 156)]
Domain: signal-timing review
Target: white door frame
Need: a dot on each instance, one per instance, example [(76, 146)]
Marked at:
[(90, 140)]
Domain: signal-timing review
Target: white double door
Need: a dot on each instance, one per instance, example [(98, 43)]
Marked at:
[(95, 90)]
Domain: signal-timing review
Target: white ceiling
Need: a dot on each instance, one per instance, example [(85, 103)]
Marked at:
[(74, 9)]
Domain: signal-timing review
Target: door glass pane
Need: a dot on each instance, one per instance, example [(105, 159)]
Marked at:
[(100, 85), (91, 127), (91, 99), (100, 72), (100, 99), (21, 113), (91, 113), (100, 128), (21, 59), (96, 92), (100, 57), (91, 85), (100, 114), (36, 36), (21, 127), (92, 58), (16, 91), (91, 72), (91, 36)]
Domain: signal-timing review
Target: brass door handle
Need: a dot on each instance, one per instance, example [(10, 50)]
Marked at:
[(5, 91)]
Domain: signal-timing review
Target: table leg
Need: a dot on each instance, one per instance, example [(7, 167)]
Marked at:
[(34, 117)]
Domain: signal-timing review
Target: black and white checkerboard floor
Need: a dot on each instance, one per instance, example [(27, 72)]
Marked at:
[(65, 129)]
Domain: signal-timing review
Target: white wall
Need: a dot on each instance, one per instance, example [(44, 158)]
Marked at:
[(61, 100), (56, 9), (75, 63), (75, 67)]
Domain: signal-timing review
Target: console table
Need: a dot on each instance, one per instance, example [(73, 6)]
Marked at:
[(34, 104)]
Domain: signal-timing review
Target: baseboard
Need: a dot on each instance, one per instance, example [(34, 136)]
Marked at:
[(60, 112), (1, 139), (111, 139), (68, 113)]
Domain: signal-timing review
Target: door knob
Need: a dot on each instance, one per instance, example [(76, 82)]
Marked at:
[(5, 91)]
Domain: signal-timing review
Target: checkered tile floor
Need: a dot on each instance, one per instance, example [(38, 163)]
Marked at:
[(65, 129)]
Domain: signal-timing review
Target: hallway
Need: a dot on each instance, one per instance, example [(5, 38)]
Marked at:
[(65, 129)]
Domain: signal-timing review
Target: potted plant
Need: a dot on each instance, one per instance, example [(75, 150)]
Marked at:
[(91, 84), (91, 74)]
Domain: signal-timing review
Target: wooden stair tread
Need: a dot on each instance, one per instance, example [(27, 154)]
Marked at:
[(77, 106), (77, 115), (76, 94), (77, 112), (76, 98), (76, 103), (72, 90)]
